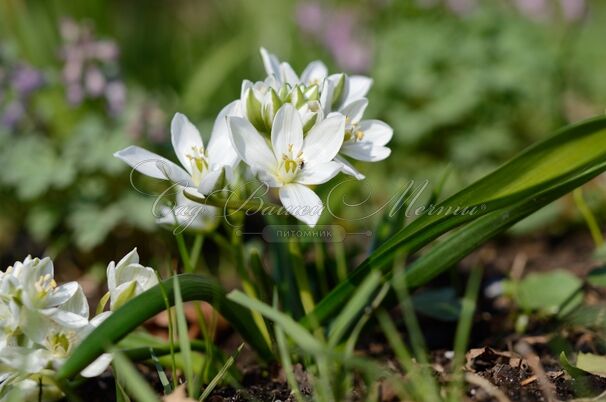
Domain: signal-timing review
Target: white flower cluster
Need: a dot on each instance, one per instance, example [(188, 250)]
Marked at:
[(41, 322), (291, 131)]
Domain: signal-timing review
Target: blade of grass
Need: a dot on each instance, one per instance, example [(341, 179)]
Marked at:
[(215, 381), (353, 308), (135, 384), (574, 155), (462, 333), (149, 303), (183, 337), (297, 332)]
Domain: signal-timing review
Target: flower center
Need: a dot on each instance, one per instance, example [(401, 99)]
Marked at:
[(353, 133), (198, 159), (44, 285), (60, 343), (291, 164)]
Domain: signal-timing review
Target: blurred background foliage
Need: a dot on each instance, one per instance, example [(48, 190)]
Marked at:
[(465, 84)]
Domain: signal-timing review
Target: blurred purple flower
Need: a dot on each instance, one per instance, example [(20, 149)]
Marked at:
[(310, 17), (338, 30), (26, 80), (115, 93), (535, 9), (461, 7), (573, 10), (13, 114), (90, 69)]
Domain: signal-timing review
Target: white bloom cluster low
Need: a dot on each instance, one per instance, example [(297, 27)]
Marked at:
[(291, 131), (42, 322)]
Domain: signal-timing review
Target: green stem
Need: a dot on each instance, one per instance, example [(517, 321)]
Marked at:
[(184, 254), (592, 223), (305, 292), (196, 249)]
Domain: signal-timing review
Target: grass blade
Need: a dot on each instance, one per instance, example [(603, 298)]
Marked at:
[(150, 303)]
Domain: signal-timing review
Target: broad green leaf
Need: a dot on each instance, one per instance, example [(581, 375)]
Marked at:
[(547, 292), (146, 305), (594, 364), (536, 177), (597, 277)]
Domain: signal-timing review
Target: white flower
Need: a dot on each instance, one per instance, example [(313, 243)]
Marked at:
[(341, 91), (364, 140), (29, 287), (261, 100), (291, 161), (202, 167), (128, 279), (187, 214)]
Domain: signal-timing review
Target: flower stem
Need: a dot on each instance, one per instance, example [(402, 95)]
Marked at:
[(305, 292), (592, 224), (183, 252)]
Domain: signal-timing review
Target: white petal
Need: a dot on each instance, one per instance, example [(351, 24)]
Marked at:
[(326, 94), (184, 137), (314, 73), (62, 294), (324, 140), (250, 145), (271, 63), (376, 131), (68, 319), (209, 181), (355, 110), (348, 168), (318, 174), (77, 303), (153, 165), (288, 75), (286, 131), (220, 150), (301, 202), (365, 152), (131, 258), (358, 87), (111, 275), (98, 366)]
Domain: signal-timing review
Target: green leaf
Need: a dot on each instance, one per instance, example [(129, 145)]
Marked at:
[(149, 303), (353, 308), (547, 291), (591, 363), (183, 337), (597, 277), (533, 179), (441, 304), (297, 332), (135, 384)]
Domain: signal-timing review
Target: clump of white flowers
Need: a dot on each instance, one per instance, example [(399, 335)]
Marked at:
[(41, 322), (291, 132)]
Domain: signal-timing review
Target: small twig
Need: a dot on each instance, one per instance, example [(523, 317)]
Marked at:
[(534, 362), (528, 380), (487, 386)]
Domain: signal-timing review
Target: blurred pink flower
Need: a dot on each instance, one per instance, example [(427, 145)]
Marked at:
[(338, 29), (573, 10)]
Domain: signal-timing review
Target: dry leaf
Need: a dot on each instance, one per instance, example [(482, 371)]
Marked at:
[(178, 395)]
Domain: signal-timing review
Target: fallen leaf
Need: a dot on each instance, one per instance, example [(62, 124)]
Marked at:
[(178, 395)]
